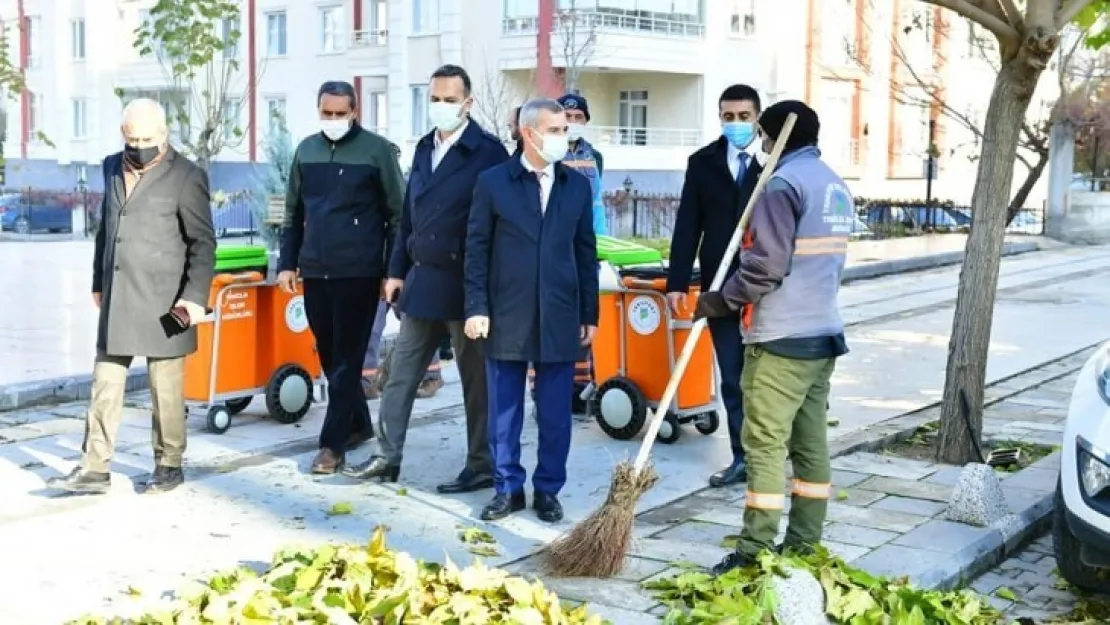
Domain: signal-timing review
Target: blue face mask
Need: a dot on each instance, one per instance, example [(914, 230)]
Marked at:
[(739, 134)]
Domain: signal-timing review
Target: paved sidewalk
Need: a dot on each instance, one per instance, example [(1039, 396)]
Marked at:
[(1026, 586)]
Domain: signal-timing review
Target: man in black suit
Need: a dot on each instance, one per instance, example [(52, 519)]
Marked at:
[(720, 178)]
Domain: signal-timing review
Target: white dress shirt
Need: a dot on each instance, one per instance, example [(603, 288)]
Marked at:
[(734, 157), (439, 150), (547, 179)]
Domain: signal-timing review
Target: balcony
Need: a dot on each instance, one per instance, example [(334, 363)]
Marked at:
[(622, 41), (629, 136), (369, 51)]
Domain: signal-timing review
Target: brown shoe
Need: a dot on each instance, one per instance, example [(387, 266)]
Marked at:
[(429, 388), (327, 462), (370, 388)]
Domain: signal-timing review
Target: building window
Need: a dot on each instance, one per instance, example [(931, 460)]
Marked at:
[(33, 27), (232, 118), (420, 124), (80, 118), (34, 115), (275, 34), (379, 15), (275, 112), (331, 29), (425, 17), (377, 112), (77, 39), (230, 32), (743, 18), (632, 117), (837, 101), (838, 32)]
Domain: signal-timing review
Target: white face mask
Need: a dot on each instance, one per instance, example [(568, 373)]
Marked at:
[(554, 148), (446, 116), (335, 129), (576, 131)]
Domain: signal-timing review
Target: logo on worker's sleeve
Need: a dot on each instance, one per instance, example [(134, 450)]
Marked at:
[(644, 315), (295, 317)]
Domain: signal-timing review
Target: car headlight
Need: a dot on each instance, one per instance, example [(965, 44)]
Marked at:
[(1094, 473)]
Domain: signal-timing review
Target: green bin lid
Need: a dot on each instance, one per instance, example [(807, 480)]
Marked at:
[(620, 253), (239, 257)]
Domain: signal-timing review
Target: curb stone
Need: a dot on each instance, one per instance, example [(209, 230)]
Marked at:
[(78, 387)]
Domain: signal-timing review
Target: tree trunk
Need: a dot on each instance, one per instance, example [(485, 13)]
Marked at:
[(1031, 177), (961, 408)]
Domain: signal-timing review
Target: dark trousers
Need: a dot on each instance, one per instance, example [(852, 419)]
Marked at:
[(340, 313), (729, 347), (507, 380)]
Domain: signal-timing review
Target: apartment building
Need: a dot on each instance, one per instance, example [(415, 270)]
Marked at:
[(651, 69)]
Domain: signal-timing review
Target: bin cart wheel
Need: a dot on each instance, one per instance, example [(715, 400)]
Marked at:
[(219, 419), (670, 430), (237, 405), (620, 408), (707, 422), (289, 394)]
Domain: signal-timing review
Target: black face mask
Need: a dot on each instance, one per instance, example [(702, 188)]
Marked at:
[(141, 156)]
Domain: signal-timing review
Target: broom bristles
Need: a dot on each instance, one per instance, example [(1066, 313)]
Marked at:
[(598, 546)]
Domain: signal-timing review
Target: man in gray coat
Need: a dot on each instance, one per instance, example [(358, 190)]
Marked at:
[(152, 271)]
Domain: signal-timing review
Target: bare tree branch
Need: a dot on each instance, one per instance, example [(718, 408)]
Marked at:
[(994, 21), (1013, 15), (579, 34), (1068, 11)]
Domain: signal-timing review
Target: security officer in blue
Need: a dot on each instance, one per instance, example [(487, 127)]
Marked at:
[(425, 280)]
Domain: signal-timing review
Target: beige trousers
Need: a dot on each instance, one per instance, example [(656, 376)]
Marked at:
[(167, 378)]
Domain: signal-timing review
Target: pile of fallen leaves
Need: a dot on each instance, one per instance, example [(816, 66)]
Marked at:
[(349, 585), (852, 596)]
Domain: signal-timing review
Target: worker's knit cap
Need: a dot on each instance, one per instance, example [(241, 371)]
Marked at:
[(806, 128)]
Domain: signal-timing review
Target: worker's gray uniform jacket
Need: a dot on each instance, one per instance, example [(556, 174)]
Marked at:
[(793, 253), (342, 203)]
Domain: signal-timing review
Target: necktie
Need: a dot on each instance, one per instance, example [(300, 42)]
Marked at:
[(742, 166), (539, 184)]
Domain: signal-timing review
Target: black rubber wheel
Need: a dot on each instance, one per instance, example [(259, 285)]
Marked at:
[(1066, 547), (218, 420), (620, 408), (237, 405), (670, 430), (707, 422), (289, 394)]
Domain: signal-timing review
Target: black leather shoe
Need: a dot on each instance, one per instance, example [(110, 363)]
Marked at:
[(165, 479), (356, 439), (502, 505), (547, 507), (376, 467), (81, 481), (732, 561), (467, 482), (736, 473)]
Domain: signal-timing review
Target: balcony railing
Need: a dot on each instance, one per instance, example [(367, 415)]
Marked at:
[(585, 21), (645, 137), (369, 38)]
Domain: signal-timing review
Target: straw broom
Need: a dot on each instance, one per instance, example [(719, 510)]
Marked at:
[(598, 546)]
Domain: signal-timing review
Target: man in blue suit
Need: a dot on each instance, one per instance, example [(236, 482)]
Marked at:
[(531, 292), (425, 280)]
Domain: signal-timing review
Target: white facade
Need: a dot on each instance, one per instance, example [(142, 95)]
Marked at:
[(652, 71)]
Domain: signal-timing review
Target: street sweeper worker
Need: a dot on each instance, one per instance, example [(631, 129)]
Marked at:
[(792, 256)]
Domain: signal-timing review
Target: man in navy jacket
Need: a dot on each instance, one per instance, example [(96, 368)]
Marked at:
[(720, 178), (531, 293), (425, 279)]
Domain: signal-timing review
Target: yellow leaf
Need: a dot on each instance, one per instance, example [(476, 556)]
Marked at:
[(341, 508), (519, 590), (134, 592)]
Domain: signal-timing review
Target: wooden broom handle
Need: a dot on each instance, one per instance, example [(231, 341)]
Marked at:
[(656, 420)]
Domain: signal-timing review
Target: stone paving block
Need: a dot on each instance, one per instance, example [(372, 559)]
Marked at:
[(922, 566), (1020, 499), (857, 497), (946, 476), (698, 532), (1036, 426), (848, 553), (920, 507), (659, 610), (624, 617), (18, 434), (859, 536), (1043, 594), (1051, 462), (1033, 479), (678, 511), (887, 466), (989, 582), (1034, 402), (847, 479), (999, 603), (877, 519), (615, 593), (949, 537), (678, 551), (57, 425), (1031, 557), (908, 488), (639, 569)]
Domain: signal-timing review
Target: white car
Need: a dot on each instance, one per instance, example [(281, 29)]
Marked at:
[(1081, 519)]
